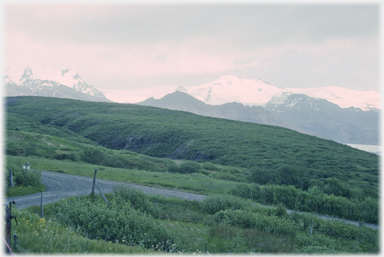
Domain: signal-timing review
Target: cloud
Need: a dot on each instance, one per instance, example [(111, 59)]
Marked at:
[(240, 25), (135, 45)]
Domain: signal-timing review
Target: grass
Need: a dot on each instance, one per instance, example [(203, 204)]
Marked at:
[(43, 131), (26, 190), (197, 183), (183, 219), (45, 236), (193, 231), (180, 135), (208, 185)]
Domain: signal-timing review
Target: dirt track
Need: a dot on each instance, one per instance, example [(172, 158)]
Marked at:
[(60, 186)]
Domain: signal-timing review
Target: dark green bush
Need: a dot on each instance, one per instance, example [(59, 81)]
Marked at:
[(214, 204), (138, 199), (189, 167), (118, 223), (25, 177), (315, 200), (228, 176), (174, 168), (266, 195), (258, 221), (247, 191), (281, 211), (210, 166)]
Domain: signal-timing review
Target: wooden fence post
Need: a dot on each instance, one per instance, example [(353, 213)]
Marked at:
[(94, 183), (8, 226), (15, 241)]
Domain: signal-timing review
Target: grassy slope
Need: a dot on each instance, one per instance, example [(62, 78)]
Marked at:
[(164, 133)]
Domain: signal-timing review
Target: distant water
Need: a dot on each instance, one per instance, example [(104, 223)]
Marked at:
[(368, 148)]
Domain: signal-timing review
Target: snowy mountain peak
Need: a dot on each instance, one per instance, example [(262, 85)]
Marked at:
[(49, 77), (228, 80), (288, 101), (28, 74), (279, 98), (7, 80)]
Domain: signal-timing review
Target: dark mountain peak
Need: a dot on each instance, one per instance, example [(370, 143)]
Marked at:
[(177, 95), (76, 76), (181, 89), (64, 71), (27, 74), (178, 101)]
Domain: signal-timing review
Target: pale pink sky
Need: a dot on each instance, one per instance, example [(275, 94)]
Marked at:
[(126, 46)]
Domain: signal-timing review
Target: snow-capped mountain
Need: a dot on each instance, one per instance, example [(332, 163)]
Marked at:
[(40, 82), (233, 111), (327, 120), (257, 92), (228, 89), (299, 112)]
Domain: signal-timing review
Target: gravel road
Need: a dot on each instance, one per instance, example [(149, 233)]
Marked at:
[(60, 186)]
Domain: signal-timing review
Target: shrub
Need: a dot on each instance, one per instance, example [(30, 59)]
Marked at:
[(189, 167), (267, 195), (228, 176), (245, 219), (281, 211), (24, 178), (210, 166), (173, 168), (138, 199), (247, 191), (215, 204), (120, 222)]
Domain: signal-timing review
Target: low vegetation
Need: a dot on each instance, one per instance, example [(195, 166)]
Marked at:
[(239, 165), (139, 223), (24, 182)]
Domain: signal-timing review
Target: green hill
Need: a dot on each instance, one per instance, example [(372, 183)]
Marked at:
[(271, 154)]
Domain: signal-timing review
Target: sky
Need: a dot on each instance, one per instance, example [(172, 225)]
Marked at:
[(123, 46)]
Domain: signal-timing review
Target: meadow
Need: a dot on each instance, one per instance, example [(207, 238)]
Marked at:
[(139, 223), (238, 165)]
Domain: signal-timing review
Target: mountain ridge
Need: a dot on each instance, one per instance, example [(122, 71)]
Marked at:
[(64, 84), (180, 101), (229, 88), (298, 112)]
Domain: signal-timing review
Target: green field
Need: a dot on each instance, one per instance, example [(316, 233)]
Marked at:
[(220, 158)]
